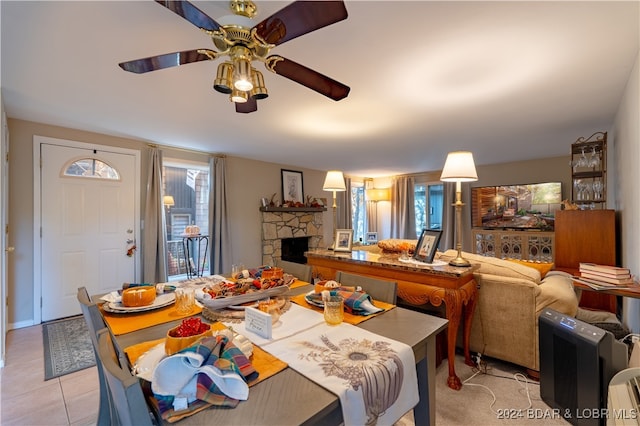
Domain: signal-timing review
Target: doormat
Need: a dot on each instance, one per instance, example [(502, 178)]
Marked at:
[(67, 347)]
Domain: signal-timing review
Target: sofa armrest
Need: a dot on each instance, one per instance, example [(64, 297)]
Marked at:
[(556, 292)]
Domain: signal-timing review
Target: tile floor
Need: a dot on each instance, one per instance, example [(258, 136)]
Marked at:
[(27, 400)]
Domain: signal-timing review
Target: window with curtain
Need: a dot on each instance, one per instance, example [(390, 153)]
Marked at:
[(358, 212), (187, 185), (428, 202)]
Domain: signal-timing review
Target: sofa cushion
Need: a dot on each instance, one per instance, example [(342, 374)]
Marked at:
[(542, 267), (495, 266)]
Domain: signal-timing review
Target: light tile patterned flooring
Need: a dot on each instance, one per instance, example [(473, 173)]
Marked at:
[(27, 400)]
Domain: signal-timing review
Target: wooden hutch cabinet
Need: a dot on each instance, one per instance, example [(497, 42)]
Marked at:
[(586, 236)]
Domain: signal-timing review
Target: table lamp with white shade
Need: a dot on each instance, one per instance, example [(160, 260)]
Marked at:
[(334, 182), (459, 168)]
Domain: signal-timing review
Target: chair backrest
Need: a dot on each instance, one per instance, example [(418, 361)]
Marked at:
[(126, 392), (299, 270), (385, 291), (95, 322)]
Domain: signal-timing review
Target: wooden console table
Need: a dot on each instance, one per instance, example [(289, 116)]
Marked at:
[(417, 284)]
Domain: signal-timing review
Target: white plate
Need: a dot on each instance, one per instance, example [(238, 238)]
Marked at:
[(161, 301), (148, 361), (319, 304)]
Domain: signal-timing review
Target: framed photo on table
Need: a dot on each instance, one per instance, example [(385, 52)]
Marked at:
[(427, 245), (371, 238), (343, 240), (292, 186)]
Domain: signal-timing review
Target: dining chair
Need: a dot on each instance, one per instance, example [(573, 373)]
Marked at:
[(95, 322), (385, 291), (299, 270), (126, 391)]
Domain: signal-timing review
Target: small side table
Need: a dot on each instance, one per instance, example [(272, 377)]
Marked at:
[(189, 244)]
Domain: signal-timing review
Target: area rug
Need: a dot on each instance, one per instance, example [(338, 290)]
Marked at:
[(67, 347)]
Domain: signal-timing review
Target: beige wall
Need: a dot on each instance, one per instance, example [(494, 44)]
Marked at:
[(248, 182), (624, 183)]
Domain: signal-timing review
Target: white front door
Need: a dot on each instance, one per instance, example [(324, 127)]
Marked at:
[(88, 224)]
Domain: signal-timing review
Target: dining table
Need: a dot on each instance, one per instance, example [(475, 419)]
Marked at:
[(290, 398)]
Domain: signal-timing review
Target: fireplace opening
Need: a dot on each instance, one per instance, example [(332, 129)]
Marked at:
[(293, 249)]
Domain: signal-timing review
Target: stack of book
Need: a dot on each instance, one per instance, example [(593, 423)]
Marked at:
[(605, 274)]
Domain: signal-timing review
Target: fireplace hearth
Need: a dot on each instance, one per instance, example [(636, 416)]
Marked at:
[(293, 249), (277, 226)]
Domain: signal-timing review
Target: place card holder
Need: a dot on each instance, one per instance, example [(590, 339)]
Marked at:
[(258, 322)]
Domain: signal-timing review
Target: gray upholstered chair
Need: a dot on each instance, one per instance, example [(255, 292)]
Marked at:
[(95, 322), (298, 270), (385, 291), (125, 388)]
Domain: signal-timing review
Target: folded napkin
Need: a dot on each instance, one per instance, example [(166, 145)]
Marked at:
[(355, 302), (211, 372)]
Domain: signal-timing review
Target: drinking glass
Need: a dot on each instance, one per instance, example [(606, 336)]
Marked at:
[(334, 310), (236, 270), (185, 300)]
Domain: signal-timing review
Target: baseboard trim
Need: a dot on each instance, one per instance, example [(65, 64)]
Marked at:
[(21, 324)]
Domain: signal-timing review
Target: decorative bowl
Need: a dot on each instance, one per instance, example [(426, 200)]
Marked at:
[(174, 344)]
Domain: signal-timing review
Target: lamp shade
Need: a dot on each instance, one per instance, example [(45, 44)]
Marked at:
[(459, 167), (168, 201), (378, 194), (334, 181)]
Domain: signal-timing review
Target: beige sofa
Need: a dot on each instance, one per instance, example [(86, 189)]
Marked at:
[(510, 298)]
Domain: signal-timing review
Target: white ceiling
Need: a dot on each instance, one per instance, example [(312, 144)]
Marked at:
[(506, 80)]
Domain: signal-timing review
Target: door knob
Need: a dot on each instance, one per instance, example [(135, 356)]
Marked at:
[(10, 249)]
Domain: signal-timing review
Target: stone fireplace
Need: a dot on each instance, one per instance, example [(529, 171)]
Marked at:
[(281, 223)]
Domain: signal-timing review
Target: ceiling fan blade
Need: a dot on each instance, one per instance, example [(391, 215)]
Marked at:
[(191, 13), (167, 60), (310, 78), (250, 106), (299, 18)]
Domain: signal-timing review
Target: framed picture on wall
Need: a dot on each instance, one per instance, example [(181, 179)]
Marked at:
[(427, 245), (371, 238), (292, 186), (343, 240)]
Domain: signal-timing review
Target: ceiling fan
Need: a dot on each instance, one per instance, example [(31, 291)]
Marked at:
[(241, 42)]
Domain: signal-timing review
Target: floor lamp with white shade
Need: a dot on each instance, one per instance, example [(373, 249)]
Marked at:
[(334, 182), (459, 168)]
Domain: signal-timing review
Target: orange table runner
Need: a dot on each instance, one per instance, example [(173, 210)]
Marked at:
[(348, 318), (126, 323)]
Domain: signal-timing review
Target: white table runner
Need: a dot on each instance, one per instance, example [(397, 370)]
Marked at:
[(374, 377), (295, 320)]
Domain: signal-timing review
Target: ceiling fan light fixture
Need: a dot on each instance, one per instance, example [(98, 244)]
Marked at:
[(238, 96), (223, 82), (259, 90), (242, 75)]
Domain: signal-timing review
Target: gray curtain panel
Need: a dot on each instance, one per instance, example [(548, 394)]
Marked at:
[(343, 201), (154, 237), (219, 218), (403, 213), (372, 210)]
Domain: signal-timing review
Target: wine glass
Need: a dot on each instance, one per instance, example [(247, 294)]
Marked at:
[(594, 160), (597, 186)]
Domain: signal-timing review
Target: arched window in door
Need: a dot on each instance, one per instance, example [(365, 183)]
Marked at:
[(91, 168)]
